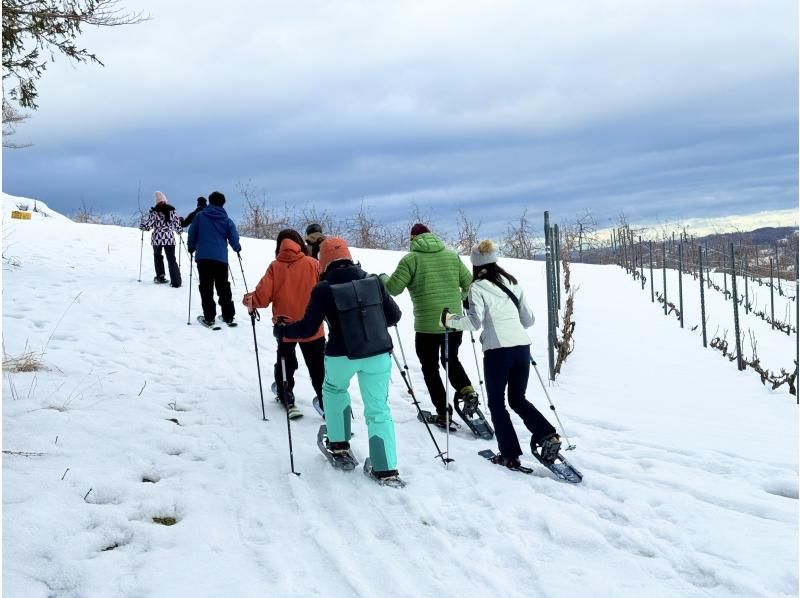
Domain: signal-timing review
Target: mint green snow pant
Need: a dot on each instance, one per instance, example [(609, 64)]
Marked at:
[(373, 381)]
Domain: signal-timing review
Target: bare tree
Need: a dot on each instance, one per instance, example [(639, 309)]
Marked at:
[(367, 232), (35, 31), (258, 219), (519, 240), (331, 226), (11, 118), (585, 233), (467, 235)]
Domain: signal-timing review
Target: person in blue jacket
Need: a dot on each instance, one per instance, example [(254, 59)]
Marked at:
[(209, 235)]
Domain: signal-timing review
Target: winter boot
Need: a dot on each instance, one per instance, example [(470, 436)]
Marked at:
[(511, 463), (338, 448), (548, 448), (469, 398)]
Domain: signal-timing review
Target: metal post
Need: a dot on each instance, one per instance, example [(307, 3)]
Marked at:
[(652, 290), (664, 264), (771, 296), (797, 318), (641, 262), (547, 253), (702, 296), (680, 280), (558, 264), (736, 310)]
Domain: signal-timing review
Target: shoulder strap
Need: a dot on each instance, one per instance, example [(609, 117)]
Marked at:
[(508, 292)]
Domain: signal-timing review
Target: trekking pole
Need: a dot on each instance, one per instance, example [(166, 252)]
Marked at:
[(446, 359), (231, 273), (570, 446), (477, 364), (189, 315), (403, 375), (141, 252), (253, 317), (286, 405), (180, 236)]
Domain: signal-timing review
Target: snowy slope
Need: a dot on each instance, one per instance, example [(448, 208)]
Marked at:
[(690, 468)]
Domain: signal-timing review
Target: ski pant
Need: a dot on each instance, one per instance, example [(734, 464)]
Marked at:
[(373, 382), (158, 259), (430, 350), (510, 366), (215, 274), (313, 355)]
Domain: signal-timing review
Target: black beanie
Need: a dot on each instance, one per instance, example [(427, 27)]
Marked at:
[(216, 199), (313, 228), (201, 202)]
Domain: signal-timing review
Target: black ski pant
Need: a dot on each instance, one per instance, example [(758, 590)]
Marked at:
[(430, 350), (158, 259), (313, 355), (215, 274), (510, 366)]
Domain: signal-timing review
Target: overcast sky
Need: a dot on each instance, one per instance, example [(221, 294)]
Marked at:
[(666, 110)]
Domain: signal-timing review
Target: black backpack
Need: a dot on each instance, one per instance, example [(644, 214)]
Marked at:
[(361, 315)]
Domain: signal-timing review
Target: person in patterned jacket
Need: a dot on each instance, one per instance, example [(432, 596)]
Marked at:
[(164, 222)]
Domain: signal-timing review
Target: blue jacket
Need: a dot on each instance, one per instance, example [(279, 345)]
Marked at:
[(210, 233)]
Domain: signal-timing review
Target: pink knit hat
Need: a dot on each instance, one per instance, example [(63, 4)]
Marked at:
[(160, 198)]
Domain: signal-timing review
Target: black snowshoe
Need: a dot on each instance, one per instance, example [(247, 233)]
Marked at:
[(548, 455), (427, 416), (512, 464), (230, 324), (384, 478), (207, 324), (466, 406), (339, 456)]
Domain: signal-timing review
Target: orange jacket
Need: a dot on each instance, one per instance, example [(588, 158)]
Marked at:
[(287, 286)]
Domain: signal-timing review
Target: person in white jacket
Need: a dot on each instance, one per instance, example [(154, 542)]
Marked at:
[(506, 354)]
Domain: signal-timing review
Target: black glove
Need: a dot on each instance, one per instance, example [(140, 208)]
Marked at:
[(277, 329), (465, 303), (445, 313)]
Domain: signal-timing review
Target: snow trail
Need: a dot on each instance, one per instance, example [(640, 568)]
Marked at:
[(690, 468)]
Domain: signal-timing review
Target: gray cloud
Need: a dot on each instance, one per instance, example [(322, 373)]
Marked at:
[(664, 112)]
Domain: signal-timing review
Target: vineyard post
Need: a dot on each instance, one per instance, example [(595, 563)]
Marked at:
[(558, 263), (746, 288), (652, 290), (702, 295), (548, 269), (680, 280), (664, 264), (641, 261), (771, 296), (739, 363)]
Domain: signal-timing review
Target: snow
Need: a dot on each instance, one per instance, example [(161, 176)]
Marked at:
[(690, 467)]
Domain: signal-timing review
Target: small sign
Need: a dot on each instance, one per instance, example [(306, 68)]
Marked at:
[(19, 215)]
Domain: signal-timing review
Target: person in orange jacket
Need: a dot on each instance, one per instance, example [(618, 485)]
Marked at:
[(287, 287)]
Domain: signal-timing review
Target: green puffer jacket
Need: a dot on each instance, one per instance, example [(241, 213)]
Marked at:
[(436, 278)]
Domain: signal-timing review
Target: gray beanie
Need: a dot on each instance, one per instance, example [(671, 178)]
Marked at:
[(484, 253)]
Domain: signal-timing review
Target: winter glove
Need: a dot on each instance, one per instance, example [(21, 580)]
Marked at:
[(383, 278), (465, 303), (445, 319)]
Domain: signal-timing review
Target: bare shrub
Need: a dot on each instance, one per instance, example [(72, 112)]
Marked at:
[(368, 232), (467, 235), (520, 239), (29, 361), (258, 219)]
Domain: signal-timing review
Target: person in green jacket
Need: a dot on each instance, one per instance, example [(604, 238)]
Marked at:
[(436, 278)]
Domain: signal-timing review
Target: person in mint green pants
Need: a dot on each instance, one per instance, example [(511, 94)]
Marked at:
[(373, 382), (359, 311)]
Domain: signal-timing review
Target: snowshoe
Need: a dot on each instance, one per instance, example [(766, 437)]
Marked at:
[(427, 416), (553, 460), (230, 324), (466, 406), (292, 409), (384, 478), (318, 406), (512, 464), (340, 459), (207, 324)]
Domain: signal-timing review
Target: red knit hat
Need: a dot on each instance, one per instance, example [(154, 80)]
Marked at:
[(419, 229), (332, 250)]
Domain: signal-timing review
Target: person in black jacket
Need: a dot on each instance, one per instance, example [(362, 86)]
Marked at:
[(358, 311), (314, 239), (201, 204)]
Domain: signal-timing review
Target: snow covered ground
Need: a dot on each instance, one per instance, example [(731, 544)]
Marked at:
[(690, 468)]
